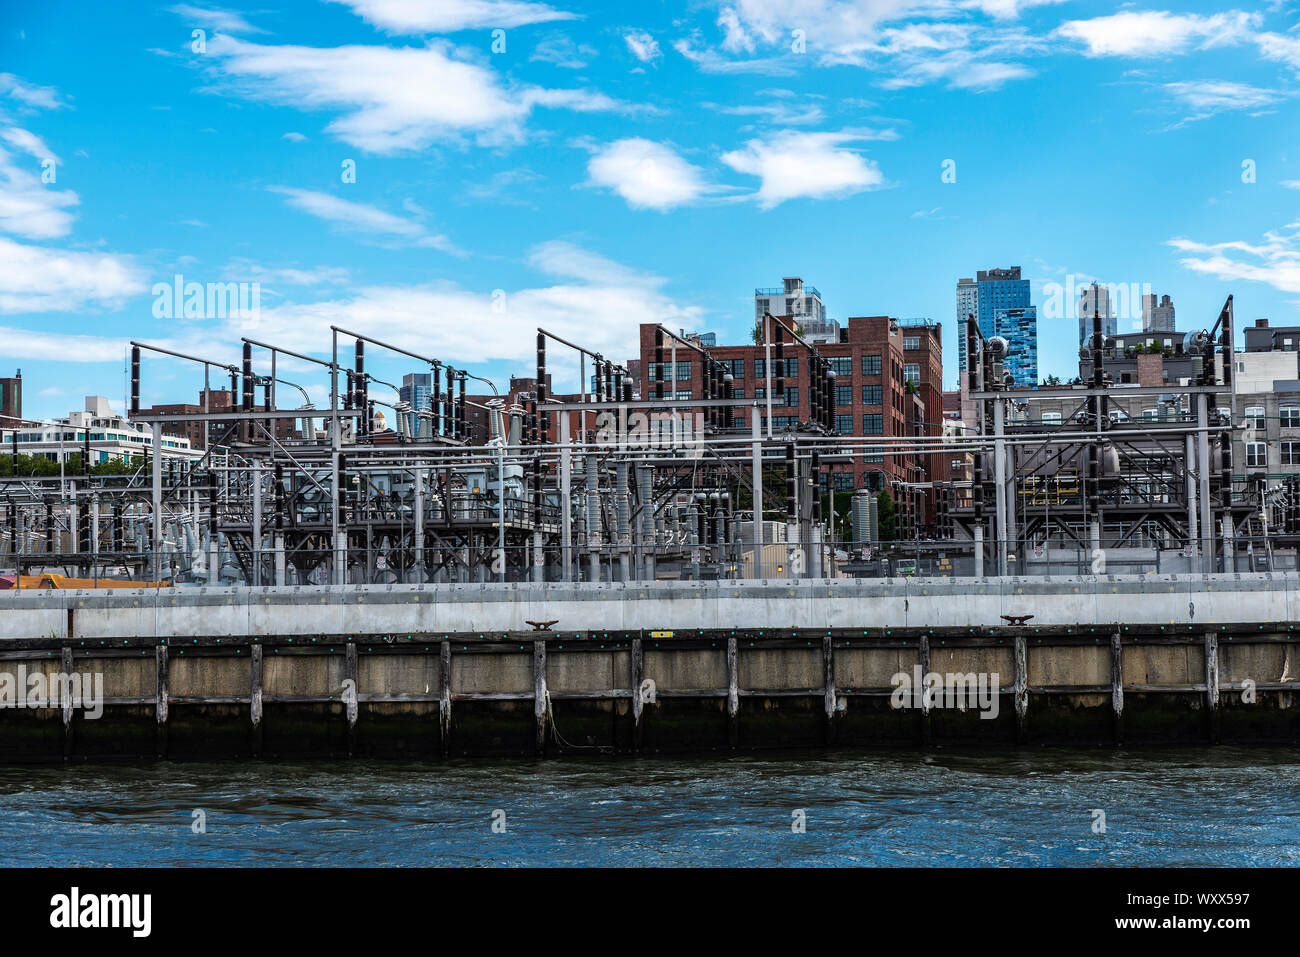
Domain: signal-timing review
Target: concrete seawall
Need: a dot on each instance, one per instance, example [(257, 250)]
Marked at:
[(452, 670)]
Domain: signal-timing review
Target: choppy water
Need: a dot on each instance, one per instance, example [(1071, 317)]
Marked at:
[(1219, 806)]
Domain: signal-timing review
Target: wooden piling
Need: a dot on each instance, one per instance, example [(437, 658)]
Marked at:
[(1022, 690), (733, 695), (539, 695), (66, 701), (350, 700), (1212, 685), (923, 656), (160, 705), (828, 681), (1117, 685), (637, 677), (444, 698), (255, 700)]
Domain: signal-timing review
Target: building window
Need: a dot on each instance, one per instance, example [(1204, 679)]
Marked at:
[(1290, 416), (735, 366), (737, 393), (911, 342), (871, 395), (1254, 417), (1291, 453), (1150, 415), (659, 372), (871, 365), (872, 453), (681, 395), (912, 372), (844, 424), (842, 365), (790, 371), (873, 423), (1256, 455), (843, 481), (844, 395), (1051, 418), (791, 396), (760, 393)]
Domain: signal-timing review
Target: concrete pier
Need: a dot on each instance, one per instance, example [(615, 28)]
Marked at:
[(440, 671)]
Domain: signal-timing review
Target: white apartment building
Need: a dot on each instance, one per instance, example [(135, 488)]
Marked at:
[(112, 436)]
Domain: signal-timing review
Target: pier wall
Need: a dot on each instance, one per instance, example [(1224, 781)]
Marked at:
[(457, 670)]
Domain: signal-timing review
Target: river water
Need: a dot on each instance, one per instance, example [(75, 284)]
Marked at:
[(1213, 806)]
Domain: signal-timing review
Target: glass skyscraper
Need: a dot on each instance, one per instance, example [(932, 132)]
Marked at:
[(416, 389), (999, 300)]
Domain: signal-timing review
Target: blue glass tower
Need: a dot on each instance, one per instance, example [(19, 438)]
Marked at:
[(999, 298), (416, 388)]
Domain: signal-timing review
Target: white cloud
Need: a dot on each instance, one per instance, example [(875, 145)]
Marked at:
[(1157, 32), (448, 16), (38, 97), (777, 114), (793, 164), (215, 18), (1275, 261), (648, 175), (362, 219), (1207, 98), (563, 52), (1291, 183), (29, 207), (1275, 46), (294, 137), (711, 62), (880, 35), (37, 279), (392, 99), (643, 46)]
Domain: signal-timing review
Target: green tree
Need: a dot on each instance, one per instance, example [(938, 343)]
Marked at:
[(886, 520)]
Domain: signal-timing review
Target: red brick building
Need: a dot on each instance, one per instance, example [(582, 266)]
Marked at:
[(871, 393)]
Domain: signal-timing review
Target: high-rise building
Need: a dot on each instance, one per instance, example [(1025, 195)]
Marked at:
[(1096, 296), (999, 300), (11, 399), (804, 303), (416, 389), (1157, 317)]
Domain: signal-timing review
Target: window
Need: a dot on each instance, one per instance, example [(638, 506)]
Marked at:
[(791, 396), (735, 366), (1291, 453), (760, 368), (912, 372), (1256, 455), (911, 342), (737, 393), (659, 372), (844, 395), (1118, 415), (1254, 417), (786, 369), (1290, 416), (871, 365), (844, 424), (843, 481), (842, 365), (873, 423), (760, 393), (1051, 418), (872, 454), (871, 395), (682, 395), (1150, 415)]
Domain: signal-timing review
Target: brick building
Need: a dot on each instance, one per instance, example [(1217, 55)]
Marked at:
[(11, 399), (871, 393), (219, 400)]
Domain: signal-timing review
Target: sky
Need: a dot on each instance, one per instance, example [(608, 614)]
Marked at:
[(448, 175)]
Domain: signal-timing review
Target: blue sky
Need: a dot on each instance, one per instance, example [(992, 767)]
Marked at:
[(591, 167)]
